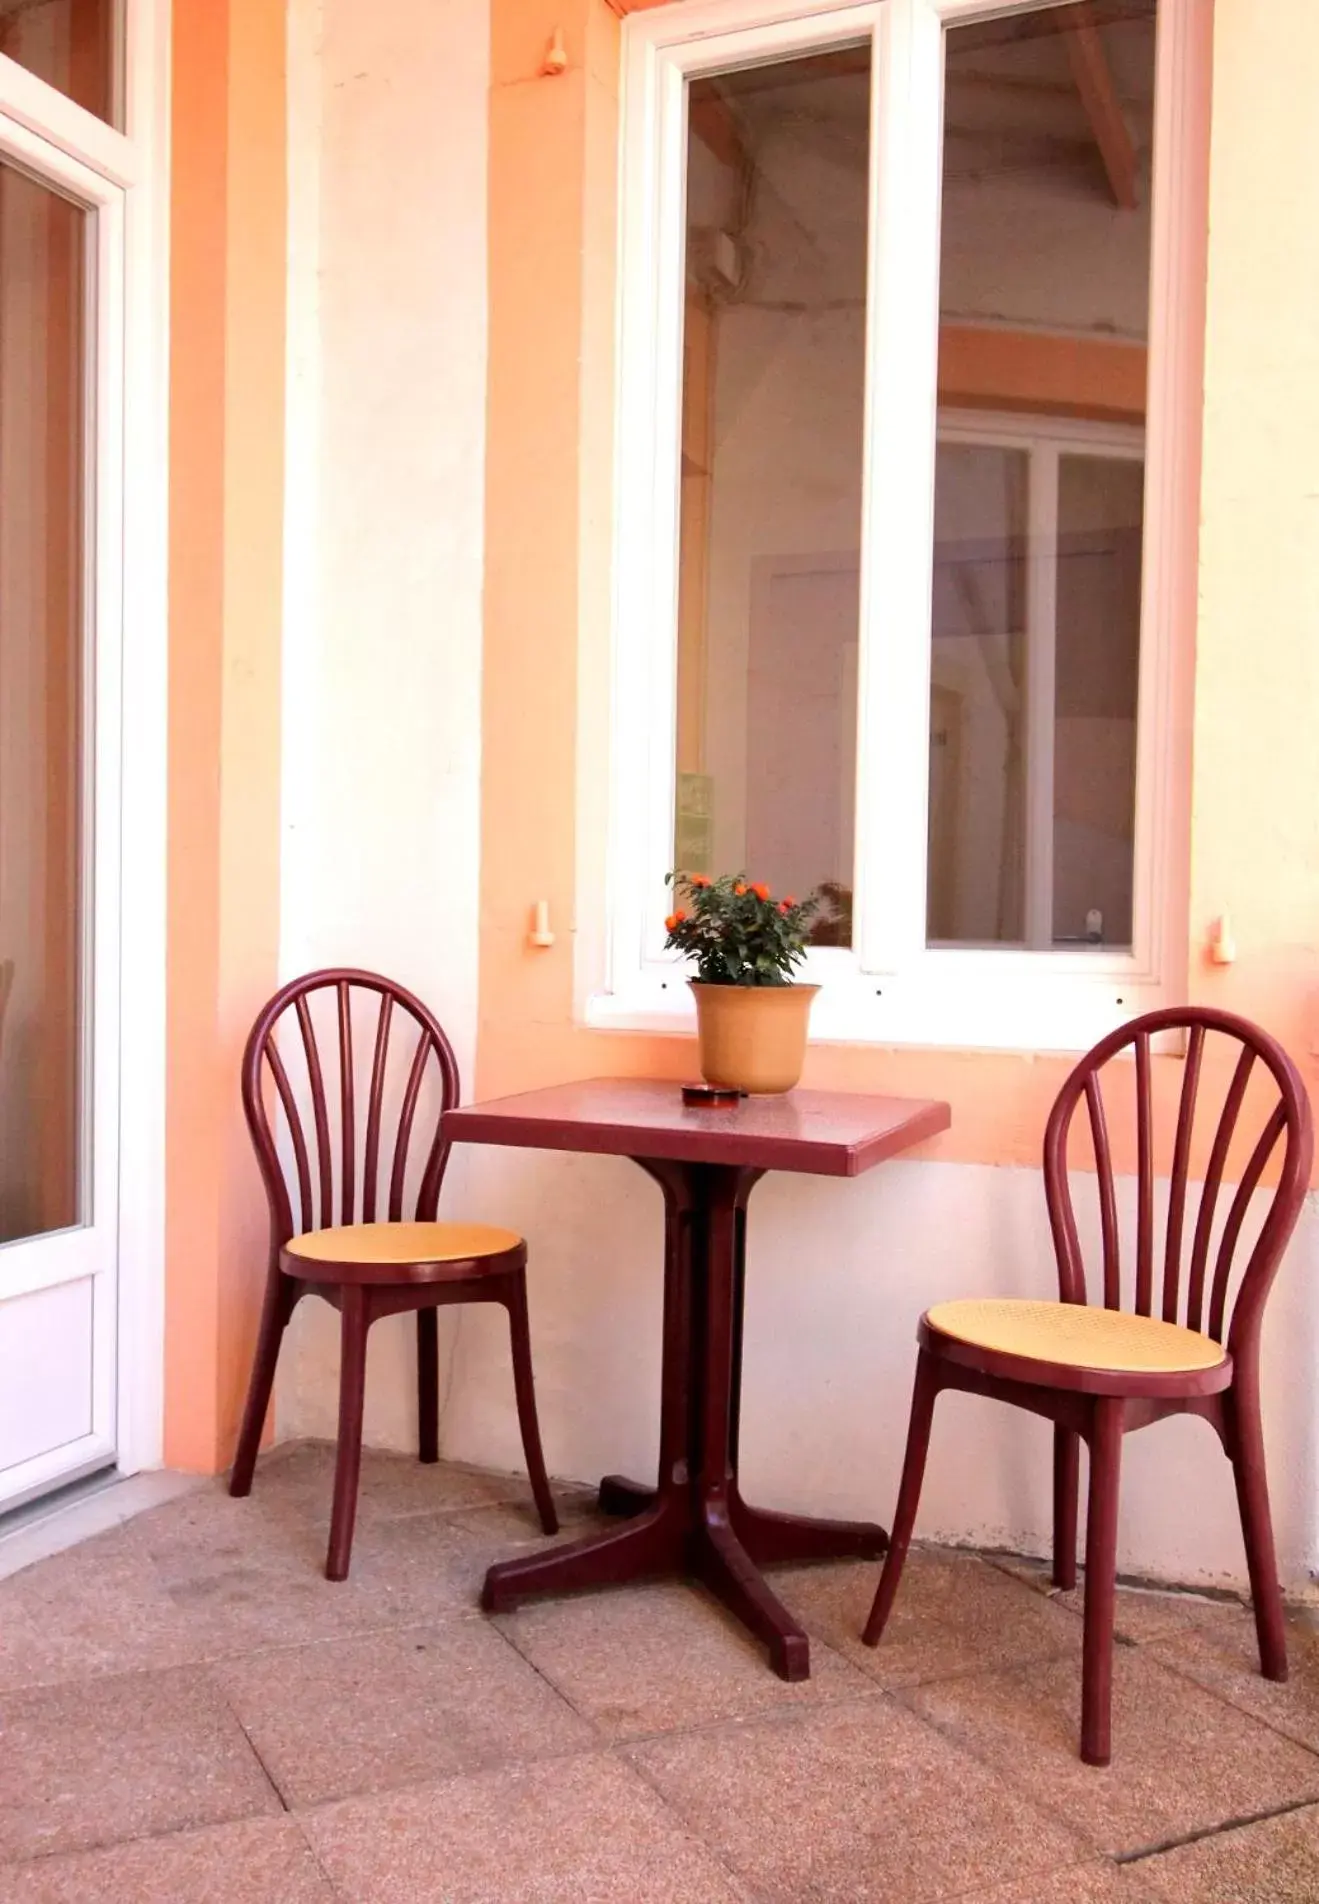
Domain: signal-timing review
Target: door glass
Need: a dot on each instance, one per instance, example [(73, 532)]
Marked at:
[(42, 539), (773, 409), (72, 44)]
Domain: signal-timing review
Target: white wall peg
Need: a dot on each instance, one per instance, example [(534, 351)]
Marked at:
[(556, 55), (540, 924), (1222, 946)]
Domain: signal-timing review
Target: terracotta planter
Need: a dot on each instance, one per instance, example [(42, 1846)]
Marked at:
[(753, 1037)]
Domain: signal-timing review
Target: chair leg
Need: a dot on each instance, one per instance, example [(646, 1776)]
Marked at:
[(280, 1300), (428, 1385), (909, 1494), (525, 1389), (1066, 1469), (1100, 1581), (1257, 1528), (354, 1321)]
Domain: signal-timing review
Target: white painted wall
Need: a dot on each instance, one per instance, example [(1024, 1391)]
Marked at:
[(382, 721)]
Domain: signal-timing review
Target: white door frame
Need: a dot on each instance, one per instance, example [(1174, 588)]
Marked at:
[(133, 168), (145, 779)]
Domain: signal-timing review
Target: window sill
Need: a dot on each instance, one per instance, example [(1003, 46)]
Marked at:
[(1048, 1013)]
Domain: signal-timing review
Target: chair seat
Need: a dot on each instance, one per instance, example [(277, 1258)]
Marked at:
[(1077, 1336), (414, 1248)]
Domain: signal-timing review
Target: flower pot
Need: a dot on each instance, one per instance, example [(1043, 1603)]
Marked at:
[(753, 1037)]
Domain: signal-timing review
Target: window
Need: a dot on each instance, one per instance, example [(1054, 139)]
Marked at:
[(906, 507)]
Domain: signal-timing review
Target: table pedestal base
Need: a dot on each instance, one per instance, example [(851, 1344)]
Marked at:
[(694, 1524)]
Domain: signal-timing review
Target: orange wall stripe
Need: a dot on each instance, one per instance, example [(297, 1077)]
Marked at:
[(227, 276)]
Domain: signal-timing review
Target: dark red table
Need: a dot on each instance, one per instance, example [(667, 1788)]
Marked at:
[(694, 1522)]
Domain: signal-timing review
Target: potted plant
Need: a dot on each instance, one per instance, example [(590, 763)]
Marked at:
[(751, 1017)]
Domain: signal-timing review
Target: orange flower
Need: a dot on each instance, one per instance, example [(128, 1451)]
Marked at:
[(740, 888), (699, 881), (761, 891), (673, 921), (785, 905), (789, 902)]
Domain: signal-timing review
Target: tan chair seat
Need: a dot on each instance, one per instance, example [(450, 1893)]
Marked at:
[(1077, 1336), (408, 1244)]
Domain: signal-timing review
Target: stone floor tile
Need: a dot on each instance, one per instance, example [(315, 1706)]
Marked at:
[(953, 1614), (1182, 1760), (858, 1802), (104, 1760), (244, 1581), (53, 1524), (301, 1475), (1273, 1862), (1224, 1658), (1144, 1614), (1104, 1883), (402, 1707), (209, 1520), (266, 1861), (95, 1608), (647, 1659), (567, 1831), (508, 1527), (113, 1730)]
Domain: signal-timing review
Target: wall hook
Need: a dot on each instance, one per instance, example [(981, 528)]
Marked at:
[(1222, 946), (556, 57)]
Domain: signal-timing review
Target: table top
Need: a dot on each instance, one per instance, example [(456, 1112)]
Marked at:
[(821, 1133)]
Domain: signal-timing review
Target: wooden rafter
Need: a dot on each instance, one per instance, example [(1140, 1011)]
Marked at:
[(715, 124), (1094, 82)]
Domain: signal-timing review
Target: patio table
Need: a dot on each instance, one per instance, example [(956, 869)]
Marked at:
[(694, 1523)]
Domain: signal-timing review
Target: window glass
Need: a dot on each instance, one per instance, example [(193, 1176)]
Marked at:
[(1100, 505), (72, 44), (1044, 302), (773, 411), (977, 695)]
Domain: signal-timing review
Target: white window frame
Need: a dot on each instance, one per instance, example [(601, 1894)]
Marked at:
[(124, 175), (890, 988)]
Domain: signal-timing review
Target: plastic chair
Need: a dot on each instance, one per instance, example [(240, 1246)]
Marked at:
[(367, 1268), (1100, 1373)]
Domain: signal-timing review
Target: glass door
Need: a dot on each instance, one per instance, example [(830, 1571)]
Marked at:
[(61, 372)]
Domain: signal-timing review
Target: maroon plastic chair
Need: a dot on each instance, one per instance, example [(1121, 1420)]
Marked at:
[(1098, 1373), (367, 1269)]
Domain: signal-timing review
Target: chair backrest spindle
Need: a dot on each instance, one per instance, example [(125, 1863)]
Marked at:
[(1144, 1179), (371, 1153), (319, 1111), (347, 1108), (1181, 1165), (1212, 1184), (1107, 1194), (404, 1138)]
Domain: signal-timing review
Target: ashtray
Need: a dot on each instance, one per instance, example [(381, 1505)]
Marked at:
[(711, 1097)]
